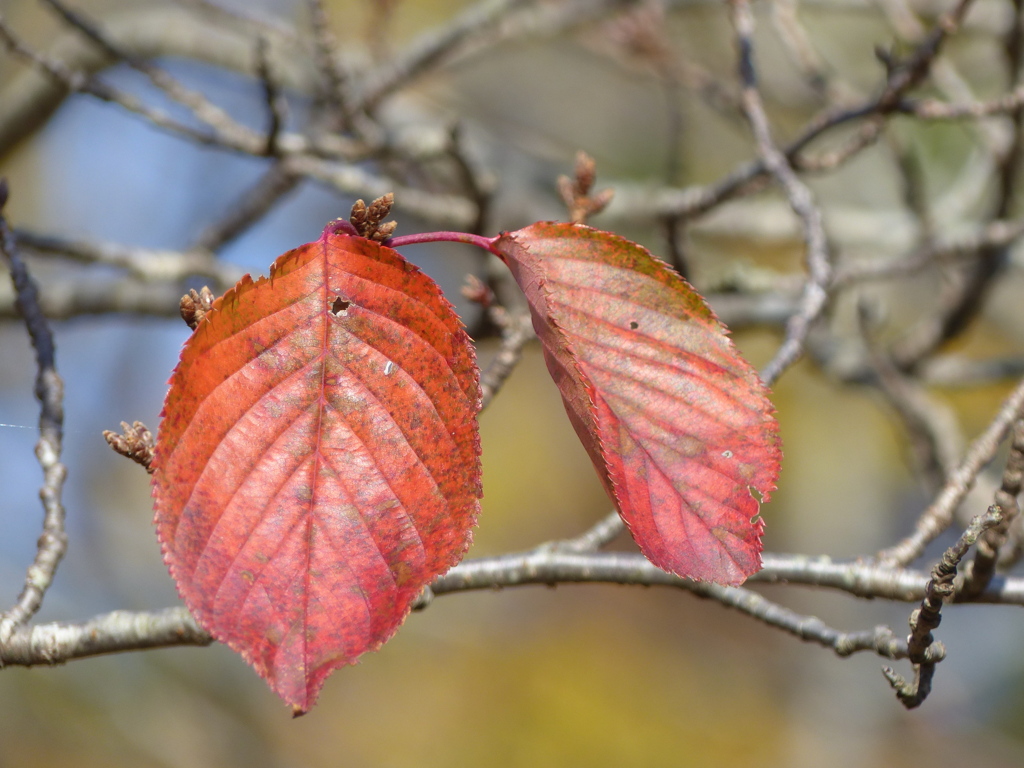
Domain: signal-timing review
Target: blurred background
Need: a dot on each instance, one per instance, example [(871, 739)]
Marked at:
[(571, 676)]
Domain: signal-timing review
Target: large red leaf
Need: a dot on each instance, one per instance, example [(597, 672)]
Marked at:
[(678, 425), (318, 459)]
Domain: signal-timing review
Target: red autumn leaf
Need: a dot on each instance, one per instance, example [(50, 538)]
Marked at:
[(677, 424), (318, 459)]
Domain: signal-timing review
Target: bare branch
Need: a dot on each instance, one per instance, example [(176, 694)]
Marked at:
[(66, 298), (76, 81), (124, 631), (332, 72), (881, 640), (256, 203), (114, 632), (997, 234), (448, 211), (922, 649), (981, 569), (72, 64), (932, 425), (144, 33), (478, 182), (431, 47), (819, 267), (226, 129), (866, 135), (49, 390), (276, 106), (932, 109), (144, 263), (517, 332), (939, 515), (967, 293), (258, 24), (694, 201)]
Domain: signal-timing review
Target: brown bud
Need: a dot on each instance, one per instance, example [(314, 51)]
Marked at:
[(575, 193), (195, 305), (384, 231), (380, 207), (586, 172), (367, 220), (358, 215), (136, 443)]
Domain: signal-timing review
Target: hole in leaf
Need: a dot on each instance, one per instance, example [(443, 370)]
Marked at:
[(339, 306), (633, 324)]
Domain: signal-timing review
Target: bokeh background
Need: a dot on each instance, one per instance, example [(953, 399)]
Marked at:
[(573, 676)]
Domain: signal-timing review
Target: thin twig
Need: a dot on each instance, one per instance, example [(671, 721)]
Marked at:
[(254, 204), (226, 127), (933, 109), (332, 72), (865, 135), (444, 211), (931, 425), (981, 569), (517, 332), (967, 294), (694, 201), (258, 24), (881, 640), (272, 98), (797, 45), (78, 82), (960, 371), (801, 200), (996, 234), (939, 514), (67, 298), (922, 649), (49, 390), (478, 183), (546, 566), (432, 47), (144, 263)]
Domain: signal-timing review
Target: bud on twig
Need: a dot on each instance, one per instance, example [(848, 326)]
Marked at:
[(367, 220), (136, 443), (575, 192)]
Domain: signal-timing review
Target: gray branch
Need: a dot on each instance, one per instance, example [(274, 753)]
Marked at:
[(549, 566)]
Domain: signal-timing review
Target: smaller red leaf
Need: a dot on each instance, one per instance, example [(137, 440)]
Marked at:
[(677, 424), (318, 459)]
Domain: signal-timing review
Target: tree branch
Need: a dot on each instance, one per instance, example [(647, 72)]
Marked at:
[(922, 649), (49, 390), (819, 267), (114, 632), (125, 630), (939, 515)]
